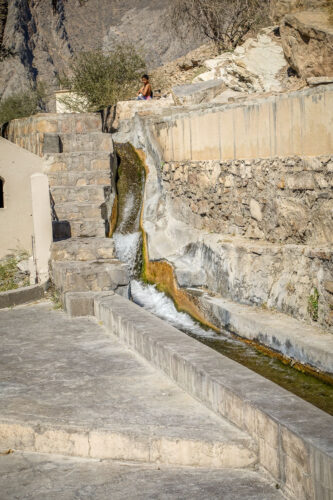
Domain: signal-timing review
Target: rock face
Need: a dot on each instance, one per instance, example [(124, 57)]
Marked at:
[(44, 41), (255, 66), (280, 8), (307, 39)]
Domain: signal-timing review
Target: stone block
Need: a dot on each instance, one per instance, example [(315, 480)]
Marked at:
[(269, 458), (79, 304), (302, 182), (197, 93), (256, 210), (52, 144), (46, 126), (21, 296), (295, 448), (300, 485)]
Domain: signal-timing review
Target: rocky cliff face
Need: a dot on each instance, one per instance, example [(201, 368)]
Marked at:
[(45, 39)]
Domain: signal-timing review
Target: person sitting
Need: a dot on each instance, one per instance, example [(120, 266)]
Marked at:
[(145, 93)]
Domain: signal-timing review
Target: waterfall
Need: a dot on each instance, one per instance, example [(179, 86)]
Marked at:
[(128, 244)]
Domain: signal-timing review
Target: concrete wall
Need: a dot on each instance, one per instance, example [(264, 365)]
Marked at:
[(299, 123), (26, 213)]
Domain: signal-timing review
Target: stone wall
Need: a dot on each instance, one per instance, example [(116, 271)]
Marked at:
[(35, 133), (281, 200), (270, 231)]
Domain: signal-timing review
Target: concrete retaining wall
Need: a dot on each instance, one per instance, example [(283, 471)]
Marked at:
[(299, 123), (294, 438)]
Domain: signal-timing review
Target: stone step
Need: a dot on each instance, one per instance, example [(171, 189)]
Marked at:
[(83, 249), (67, 143), (95, 275), (78, 211), (78, 123), (67, 123), (76, 162), (32, 475), (88, 228), (97, 399), (81, 194), (80, 178)]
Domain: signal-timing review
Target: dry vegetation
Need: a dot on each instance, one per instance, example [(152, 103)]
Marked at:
[(225, 22)]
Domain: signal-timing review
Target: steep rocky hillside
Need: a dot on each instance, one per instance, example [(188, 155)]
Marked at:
[(44, 39)]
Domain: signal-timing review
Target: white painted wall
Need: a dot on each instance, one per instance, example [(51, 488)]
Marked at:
[(26, 213)]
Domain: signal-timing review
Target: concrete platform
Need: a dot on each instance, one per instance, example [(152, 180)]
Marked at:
[(70, 388), (294, 438), (40, 477)]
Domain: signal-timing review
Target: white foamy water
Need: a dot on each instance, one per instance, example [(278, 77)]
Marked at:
[(126, 246), (128, 209), (148, 297)]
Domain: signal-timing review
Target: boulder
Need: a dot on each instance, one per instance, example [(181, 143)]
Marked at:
[(279, 8), (197, 93), (253, 67), (307, 39)]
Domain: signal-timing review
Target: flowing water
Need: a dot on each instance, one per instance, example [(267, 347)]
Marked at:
[(128, 244)]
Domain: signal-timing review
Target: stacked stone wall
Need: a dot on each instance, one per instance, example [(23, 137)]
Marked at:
[(29, 133), (275, 221), (280, 200)]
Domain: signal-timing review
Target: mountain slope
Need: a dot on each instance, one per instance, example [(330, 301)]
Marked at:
[(44, 41)]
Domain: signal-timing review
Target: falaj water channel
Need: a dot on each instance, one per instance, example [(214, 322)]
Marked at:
[(156, 295)]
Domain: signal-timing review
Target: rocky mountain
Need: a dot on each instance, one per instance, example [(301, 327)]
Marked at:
[(44, 35)]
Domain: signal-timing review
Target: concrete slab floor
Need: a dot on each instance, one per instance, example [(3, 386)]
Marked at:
[(71, 378), (29, 476)]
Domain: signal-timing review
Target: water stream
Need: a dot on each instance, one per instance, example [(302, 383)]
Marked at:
[(128, 244)]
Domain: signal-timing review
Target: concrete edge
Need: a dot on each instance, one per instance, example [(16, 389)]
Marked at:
[(115, 444), (78, 304), (294, 438), (21, 296), (306, 344)]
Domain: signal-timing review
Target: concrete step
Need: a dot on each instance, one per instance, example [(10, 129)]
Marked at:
[(76, 162), (67, 143), (34, 476), (94, 275), (80, 194), (83, 249), (80, 178), (78, 211), (80, 392)]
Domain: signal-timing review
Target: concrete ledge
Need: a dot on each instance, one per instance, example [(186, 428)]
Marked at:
[(106, 444), (82, 303), (306, 344), (21, 296), (294, 438)]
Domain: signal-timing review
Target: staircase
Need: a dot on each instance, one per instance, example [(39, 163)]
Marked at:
[(81, 170)]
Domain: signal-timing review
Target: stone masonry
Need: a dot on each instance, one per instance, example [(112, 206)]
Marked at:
[(280, 200), (274, 219), (80, 167)]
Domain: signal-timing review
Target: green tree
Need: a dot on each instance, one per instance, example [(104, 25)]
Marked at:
[(99, 80), (23, 104)]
